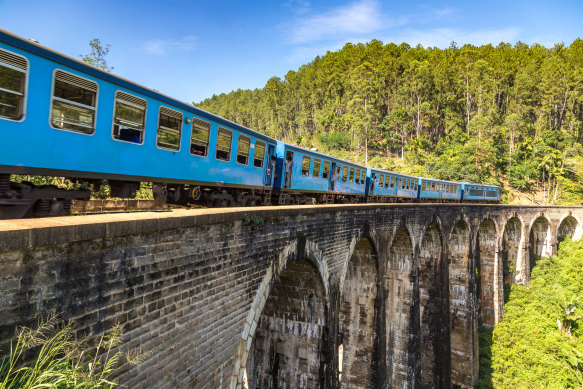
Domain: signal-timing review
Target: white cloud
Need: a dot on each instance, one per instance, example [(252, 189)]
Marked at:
[(161, 46), (361, 17)]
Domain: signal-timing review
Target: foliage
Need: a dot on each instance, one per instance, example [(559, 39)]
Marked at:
[(96, 56), (61, 361), (99, 191), (253, 220), (492, 114), (539, 344)]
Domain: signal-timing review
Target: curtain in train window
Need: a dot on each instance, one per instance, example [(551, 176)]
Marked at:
[(129, 118), (243, 146), (13, 70), (74, 103), (259, 154), (199, 137), (306, 165), (326, 169), (169, 128), (316, 169), (224, 138)]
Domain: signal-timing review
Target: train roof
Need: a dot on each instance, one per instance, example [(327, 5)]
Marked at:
[(325, 156), (383, 171), (486, 185), (38, 49)]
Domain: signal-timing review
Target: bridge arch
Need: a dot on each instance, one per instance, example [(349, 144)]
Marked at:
[(358, 318), (569, 227), (539, 240), (307, 275), (487, 265), (511, 251), (431, 302), (399, 285)]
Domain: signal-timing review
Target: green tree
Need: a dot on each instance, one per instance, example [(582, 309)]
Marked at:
[(96, 56)]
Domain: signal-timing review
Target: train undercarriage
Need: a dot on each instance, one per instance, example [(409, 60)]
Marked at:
[(25, 200)]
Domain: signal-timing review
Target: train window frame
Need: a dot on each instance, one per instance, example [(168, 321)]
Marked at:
[(26, 71), (119, 96), (171, 113), (344, 173), (326, 169), (240, 156), (306, 171), (224, 149), (316, 172), (78, 82), (200, 124), (255, 159)]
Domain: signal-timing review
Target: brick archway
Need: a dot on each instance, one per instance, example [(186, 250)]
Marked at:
[(398, 308), (431, 304), (359, 310)]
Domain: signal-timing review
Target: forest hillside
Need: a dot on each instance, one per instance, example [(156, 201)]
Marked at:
[(506, 115)]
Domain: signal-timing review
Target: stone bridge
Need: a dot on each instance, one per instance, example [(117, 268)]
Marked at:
[(288, 297)]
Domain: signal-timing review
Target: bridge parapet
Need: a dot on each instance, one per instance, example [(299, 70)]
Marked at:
[(239, 297)]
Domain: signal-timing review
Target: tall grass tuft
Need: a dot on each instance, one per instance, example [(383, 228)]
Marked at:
[(61, 360)]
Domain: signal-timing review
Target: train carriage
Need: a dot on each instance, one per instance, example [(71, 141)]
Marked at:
[(62, 117), (305, 175), (439, 190), (390, 186), (480, 193)]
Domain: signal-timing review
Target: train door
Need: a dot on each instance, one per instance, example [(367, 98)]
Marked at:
[(333, 177), (270, 170), (288, 169)]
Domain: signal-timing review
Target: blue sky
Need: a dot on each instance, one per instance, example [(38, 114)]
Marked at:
[(194, 49)]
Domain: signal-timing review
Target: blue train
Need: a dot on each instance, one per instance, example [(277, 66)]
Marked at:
[(62, 117)]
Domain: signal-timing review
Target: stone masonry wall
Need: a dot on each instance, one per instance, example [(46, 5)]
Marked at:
[(215, 295)]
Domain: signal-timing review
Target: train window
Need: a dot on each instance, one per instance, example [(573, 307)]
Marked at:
[(306, 165), (432, 187), (243, 145), (381, 181), (423, 186), (224, 138), (259, 154), (199, 137), (169, 127), (393, 181), (326, 169), (316, 169), (351, 175), (129, 117), (345, 173), (73, 104), (13, 70), (362, 179)]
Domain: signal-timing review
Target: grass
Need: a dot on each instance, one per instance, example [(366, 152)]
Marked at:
[(49, 356)]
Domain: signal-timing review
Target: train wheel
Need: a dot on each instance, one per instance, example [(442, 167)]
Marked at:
[(42, 208)]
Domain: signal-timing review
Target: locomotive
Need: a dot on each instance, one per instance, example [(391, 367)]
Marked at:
[(62, 117)]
